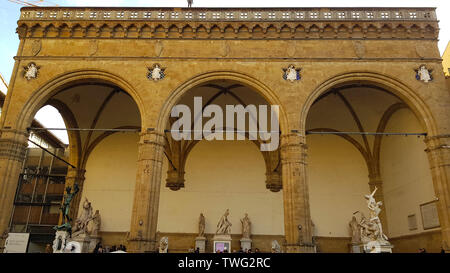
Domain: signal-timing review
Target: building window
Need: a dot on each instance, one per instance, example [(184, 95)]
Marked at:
[(174, 15), (244, 15), (229, 15), (202, 15), (341, 15), (93, 14), (271, 15), (26, 14), (80, 14), (385, 15), (355, 15), (313, 15), (53, 14), (398, 15), (413, 15), (39, 14), (369, 15), (216, 15), (188, 15), (66, 14), (161, 15), (257, 15), (107, 14), (299, 15), (427, 15), (286, 15), (327, 15)]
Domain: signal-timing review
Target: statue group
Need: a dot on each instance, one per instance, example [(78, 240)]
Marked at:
[(369, 231), (88, 223)]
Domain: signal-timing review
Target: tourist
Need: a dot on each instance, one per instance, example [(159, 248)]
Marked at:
[(256, 250)]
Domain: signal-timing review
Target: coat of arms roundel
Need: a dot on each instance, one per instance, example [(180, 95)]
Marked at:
[(423, 74), (156, 72), (291, 73), (31, 71)]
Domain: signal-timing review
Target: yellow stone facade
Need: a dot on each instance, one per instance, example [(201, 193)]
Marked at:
[(334, 48)]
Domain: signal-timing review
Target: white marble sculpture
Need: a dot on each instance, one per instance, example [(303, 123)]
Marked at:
[(163, 244), (355, 229), (201, 225), (246, 226), (374, 221), (224, 226), (88, 223), (276, 247)]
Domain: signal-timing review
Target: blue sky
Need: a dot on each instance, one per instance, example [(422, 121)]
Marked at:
[(50, 118)]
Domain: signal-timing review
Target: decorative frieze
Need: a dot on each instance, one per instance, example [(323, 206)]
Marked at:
[(228, 23)]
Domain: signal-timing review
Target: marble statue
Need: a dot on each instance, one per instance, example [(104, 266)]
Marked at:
[(163, 244), (276, 247), (190, 2), (224, 226), (93, 226), (201, 225), (356, 234), (88, 223), (81, 222), (246, 225), (374, 211)]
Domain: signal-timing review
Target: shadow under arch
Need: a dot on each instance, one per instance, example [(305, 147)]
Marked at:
[(244, 79), (393, 86), (71, 79)]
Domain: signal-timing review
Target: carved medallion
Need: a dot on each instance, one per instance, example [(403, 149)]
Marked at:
[(291, 73), (36, 47), (359, 48), (156, 72), (31, 71), (423, 74)]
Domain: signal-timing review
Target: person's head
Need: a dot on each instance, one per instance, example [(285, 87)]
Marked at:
[(256, 250)]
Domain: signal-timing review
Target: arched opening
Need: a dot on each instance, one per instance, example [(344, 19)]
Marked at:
[(210, 176), (102, 121), (350, 153)]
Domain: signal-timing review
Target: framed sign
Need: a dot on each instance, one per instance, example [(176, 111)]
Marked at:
[(16, 243), (430, 217), (221, 246)]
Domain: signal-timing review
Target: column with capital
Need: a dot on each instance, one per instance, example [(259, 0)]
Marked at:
[(438, 151), (13, 145), (144, 219), (297, 216)]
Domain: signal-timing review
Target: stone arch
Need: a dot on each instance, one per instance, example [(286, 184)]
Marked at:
[(40, 96), (406, 94), (244, 79)]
